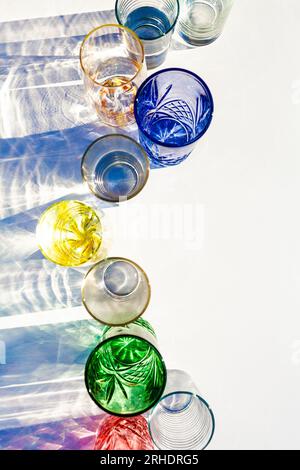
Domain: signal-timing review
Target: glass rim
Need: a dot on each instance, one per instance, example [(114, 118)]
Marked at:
[(187, 72), (192, 394), (116, 258), (127, 415), (40, 221), (138, 145), (162, 35), (119, 26)]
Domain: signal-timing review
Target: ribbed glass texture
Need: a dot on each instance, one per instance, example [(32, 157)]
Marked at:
[(153, 21), (184, 427), (112, 61), (173, 110), (201, 21), (115, 167), (69, 233), (182, 420)]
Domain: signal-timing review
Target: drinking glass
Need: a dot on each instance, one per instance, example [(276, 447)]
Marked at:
[(125, 374), (173, 110), (120, 433), (116, 291), (115, 167), (201, 21), (153, 21), (69, 233), (182, 419), (112, 60)]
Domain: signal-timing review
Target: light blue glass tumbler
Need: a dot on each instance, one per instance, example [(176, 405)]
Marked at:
[(153, 21), (115, 167), (173, 110)]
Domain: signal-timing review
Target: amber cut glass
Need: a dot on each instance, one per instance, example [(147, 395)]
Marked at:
[(112, 61)]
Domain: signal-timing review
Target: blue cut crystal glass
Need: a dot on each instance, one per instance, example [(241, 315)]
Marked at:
[(173, 109)]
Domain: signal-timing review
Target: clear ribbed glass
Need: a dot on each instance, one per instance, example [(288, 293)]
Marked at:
[(182, 419), (112, 61), (69, 233), (153, 21), (125, 374), (115, 167), (201, 21), (116, 291)]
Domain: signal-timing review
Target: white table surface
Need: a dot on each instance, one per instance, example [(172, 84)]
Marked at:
[(226, 308)]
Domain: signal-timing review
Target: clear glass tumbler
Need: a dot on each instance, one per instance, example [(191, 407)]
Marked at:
[(115, 167), (153, 21), (112, 60), (201, 21), (116, 291), (182, 419), (173, 109), (125, 374), (69, 233)]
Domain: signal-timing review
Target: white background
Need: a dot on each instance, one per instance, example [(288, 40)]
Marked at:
[(227, 309)]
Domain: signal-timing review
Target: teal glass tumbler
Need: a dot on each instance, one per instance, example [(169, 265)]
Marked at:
[(153, 21)]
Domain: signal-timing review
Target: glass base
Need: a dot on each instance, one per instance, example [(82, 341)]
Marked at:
[(153, 61), (197, 41), (201, 21), (116, 175)]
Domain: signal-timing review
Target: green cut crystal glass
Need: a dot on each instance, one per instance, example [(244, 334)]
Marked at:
[(125, 374), (139, 327)]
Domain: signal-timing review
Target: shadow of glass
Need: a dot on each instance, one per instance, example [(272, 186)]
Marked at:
[(42, 380), (68, 434), (45, 127), (38, 98), (40, 78), (18, 232), (55, 26), (40, 168), (37, 285), (38, 49)]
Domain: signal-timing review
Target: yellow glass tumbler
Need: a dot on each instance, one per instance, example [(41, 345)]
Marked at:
[(69, 233)]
